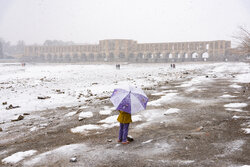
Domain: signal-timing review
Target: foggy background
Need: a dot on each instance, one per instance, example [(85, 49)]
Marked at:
[(89, 21)]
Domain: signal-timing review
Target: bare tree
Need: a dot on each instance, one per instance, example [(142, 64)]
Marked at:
[(243, 38)]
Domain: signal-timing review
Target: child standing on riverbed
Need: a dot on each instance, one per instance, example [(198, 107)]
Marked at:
[(124, 119)]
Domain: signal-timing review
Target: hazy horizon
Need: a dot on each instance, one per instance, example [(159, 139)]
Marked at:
[(144, 21)]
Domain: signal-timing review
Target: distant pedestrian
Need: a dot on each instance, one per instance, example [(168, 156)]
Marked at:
[(173, 65), (117, 66), (124, 119)]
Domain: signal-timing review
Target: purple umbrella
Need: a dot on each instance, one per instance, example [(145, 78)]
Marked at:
[(131, 100)]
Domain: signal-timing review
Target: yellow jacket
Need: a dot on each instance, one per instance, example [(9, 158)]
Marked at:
[(124, 117)]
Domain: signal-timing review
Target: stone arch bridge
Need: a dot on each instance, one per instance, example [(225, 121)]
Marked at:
[(120, 50)]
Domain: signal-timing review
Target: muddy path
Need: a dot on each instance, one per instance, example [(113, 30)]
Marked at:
[(204, 133)]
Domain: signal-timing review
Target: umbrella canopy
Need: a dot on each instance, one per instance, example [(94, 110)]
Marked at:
[(131, 100)]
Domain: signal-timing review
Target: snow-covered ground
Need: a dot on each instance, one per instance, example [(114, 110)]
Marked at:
[(69, 85)]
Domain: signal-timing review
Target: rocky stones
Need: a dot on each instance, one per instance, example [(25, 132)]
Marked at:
[(109, 140), (26, 113), (1, 129), (43, 97), (74, 159), (188, 137), (130, 138), (198, 129), (12, 107), (58, 91), (4, 103), (20, 117)]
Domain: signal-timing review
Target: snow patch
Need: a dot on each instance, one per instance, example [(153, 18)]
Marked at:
[(158, 94), (70, 114), (14, 158), (63, 152), (85, 128), (109, 120), (235, 109), (243, 78), (83, 115), (105, 112), (227, 96), (170, 97), (235, 86), (235, 105), (136, 118), (148, 141), (107, 126), (171, 111), (246, 130), (170, 91)]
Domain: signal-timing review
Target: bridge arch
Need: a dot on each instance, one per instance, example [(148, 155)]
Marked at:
[(91, 57), (75, 57), (49, 57), (41, 58), (121, 55), (131, 57), (99, 57), (67, 58), (55, 58), (60, 58), (83, 57), (205, 56), (111, 56), (170, 56)]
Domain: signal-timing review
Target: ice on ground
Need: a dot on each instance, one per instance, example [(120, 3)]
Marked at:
[(105, 112), (246, 130), (171, 111), (235, 109), (148, 141), (14, 158), (235, 105), (70, 114), (227, 96), (235, 86), (83, 115), (170, 97), (85, 128)]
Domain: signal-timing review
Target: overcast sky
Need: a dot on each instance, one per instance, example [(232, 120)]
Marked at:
[(88, 21)]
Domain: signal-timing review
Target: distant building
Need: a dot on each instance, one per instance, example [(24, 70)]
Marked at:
[(121, 50)]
